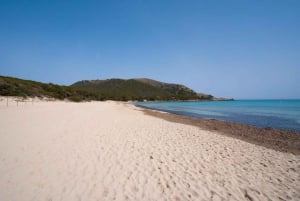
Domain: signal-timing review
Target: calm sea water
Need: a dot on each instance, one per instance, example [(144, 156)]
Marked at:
[(281, 114)]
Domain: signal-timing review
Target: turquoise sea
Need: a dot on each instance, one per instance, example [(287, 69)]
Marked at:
[(280, 114)]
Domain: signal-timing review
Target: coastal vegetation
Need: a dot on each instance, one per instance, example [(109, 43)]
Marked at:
[(10, 86), (110, 89)]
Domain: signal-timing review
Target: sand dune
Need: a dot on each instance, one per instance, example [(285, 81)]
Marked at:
[(110, 151)]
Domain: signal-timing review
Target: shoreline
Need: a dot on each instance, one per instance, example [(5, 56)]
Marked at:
[(60, 150), (276, 139)]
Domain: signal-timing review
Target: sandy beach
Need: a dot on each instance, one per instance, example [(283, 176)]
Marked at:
[(90, 151)]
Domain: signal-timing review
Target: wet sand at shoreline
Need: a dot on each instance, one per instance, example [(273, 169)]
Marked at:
[(281, 140)]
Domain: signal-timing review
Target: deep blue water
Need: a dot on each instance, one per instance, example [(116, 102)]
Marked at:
[(281, 114)]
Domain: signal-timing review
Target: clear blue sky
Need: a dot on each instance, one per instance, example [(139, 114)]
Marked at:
[(228, 48)]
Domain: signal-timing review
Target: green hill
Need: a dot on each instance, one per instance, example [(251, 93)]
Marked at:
[(111, 89), (138, 89)]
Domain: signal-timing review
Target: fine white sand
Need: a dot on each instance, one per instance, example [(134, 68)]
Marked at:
[(109, 151)]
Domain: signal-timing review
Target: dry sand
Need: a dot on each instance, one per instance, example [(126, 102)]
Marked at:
[(110, 151)]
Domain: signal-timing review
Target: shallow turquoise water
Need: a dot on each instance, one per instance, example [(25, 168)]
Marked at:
[(281, 114)]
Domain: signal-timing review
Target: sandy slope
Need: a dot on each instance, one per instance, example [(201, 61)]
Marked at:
[(108, 151)]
